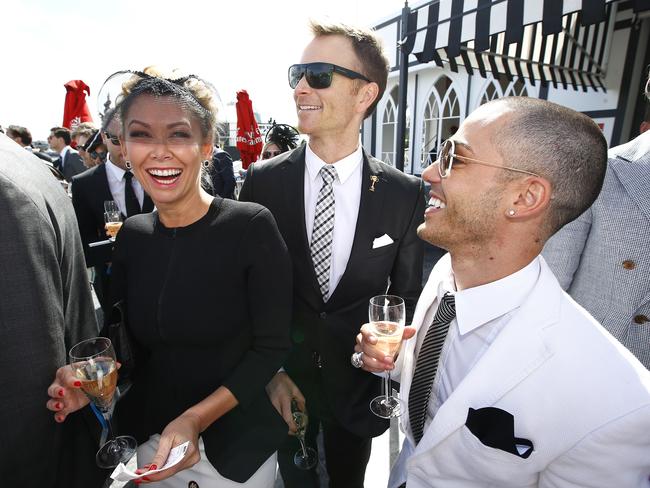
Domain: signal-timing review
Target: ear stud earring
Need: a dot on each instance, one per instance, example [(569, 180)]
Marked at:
[(511, 212)]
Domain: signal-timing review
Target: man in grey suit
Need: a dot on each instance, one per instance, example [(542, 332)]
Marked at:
[(602, 259), (69, 162), (45, 308)]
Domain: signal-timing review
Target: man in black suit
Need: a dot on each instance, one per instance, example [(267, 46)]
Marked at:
[(109, 181), (349, 222), (69, 162), (221, 174)]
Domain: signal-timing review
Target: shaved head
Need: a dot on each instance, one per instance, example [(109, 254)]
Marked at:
[(564, 146)]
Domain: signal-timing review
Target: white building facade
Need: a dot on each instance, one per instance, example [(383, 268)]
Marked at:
[(439, 98)]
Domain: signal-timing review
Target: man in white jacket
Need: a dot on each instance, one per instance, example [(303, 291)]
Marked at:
[(505, 380)]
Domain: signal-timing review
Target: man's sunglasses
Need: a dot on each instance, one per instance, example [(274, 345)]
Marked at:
[(114, 139), (319, 75), (98, 155)]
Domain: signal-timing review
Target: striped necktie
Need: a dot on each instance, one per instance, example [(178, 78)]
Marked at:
[(321, 236), (426, 365)]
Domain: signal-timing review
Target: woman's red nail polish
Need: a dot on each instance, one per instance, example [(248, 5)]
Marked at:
[(58, 418), (77, 383), (57, 406), (152, 467), (144, 478), (60, 392)]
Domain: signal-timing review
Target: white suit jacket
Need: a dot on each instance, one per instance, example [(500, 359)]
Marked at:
[(574, 391)]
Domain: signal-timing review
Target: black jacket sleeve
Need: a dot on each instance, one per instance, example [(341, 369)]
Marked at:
[(264, 255)]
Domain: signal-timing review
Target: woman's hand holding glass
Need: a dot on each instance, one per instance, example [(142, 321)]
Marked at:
[(91, 376), (66, 395)]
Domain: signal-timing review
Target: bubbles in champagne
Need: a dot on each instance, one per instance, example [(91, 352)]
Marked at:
[(300, 419), (98, 379), (389, 336)]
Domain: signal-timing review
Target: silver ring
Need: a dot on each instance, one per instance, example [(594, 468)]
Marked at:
[(356, 359)]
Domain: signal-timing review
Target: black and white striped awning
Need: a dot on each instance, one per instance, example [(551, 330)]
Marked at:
[(553, 41)]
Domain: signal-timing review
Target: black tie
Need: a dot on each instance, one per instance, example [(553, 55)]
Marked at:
[(426, 365), (132, 204)]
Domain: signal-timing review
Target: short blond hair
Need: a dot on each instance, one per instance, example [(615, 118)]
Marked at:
[(368, 48)]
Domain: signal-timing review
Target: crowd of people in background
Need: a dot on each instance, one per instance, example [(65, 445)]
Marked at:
[(245, 297)]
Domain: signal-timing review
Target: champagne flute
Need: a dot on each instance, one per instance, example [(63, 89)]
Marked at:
[(113, 219), (93, 363), (387, 315), (306, 457)]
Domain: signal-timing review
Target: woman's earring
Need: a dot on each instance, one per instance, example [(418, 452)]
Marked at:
[(128, 165), (511, 212), (206, 163)]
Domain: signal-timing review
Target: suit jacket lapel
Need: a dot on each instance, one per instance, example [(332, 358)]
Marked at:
[(102, 184), (633, 175), (515, 354), (371, 205), (293, 185), (147, 204)]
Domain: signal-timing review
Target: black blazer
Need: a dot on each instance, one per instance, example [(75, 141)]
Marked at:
[(208, 305), (394, 205), (72, 164), (89, 192), (221, 175)]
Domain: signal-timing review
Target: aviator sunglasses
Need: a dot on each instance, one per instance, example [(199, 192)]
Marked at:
[(319, 75), (447, 154)]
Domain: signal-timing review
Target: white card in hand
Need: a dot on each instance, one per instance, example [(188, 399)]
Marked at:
[(122, 473)]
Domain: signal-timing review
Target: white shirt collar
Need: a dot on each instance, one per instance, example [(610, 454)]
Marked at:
[(64, 151), (344, 167), (481, 304), (114, 170)]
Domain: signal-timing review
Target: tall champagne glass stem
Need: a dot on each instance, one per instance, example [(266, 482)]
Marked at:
[(387, 314), (387, 385)]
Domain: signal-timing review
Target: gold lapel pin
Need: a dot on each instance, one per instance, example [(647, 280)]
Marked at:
[(374, 179)]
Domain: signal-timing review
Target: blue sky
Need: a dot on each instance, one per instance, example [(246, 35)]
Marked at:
[(234, 45)]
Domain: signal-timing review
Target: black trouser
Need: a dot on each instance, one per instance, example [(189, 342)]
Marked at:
[(346, 457), (346, 454)]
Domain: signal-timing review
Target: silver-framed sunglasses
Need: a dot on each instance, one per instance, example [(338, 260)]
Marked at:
[(447, 154)]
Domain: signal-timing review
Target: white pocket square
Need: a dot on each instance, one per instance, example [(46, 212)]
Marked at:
[(382, 241)]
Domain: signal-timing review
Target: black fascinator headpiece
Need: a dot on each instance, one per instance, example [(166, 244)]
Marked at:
[(284, 136)]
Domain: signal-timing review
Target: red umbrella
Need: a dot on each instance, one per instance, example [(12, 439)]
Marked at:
[(76, 110), (249, 139)]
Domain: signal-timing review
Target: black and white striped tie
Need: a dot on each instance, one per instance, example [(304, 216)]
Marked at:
[(426, 365), (321, 236)]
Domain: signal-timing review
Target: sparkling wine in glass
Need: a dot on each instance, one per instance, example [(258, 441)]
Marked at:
[(306, 457), (387, 315), (113, 219), (93, 363)]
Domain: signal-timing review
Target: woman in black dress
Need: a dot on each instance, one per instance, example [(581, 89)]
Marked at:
[(207, 285)]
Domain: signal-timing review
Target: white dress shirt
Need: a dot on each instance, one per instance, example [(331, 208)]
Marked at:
[(116, 183), (63, 152), (481, 314), (347, 195)]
